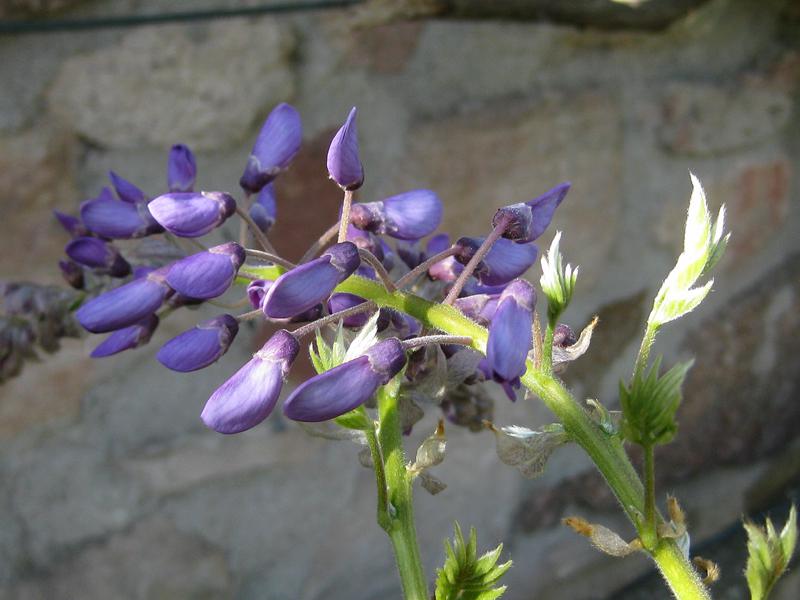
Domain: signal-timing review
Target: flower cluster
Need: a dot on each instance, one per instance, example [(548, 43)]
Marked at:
[(380, 240)]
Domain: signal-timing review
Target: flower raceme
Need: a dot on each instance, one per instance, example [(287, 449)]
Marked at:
[(491, 294)]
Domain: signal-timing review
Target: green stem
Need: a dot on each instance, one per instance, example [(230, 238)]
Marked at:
[(402, 531), (380, 475), (644, 350), (547, 347), (648, 533), (606, 451)]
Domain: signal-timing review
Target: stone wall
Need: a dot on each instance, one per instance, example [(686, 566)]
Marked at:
[(110, 487)]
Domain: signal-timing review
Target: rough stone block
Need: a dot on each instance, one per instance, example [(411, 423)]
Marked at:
[(204, 86)]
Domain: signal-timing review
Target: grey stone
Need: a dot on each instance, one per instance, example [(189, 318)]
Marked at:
[(67, 494), (203, 85), (150, 561), (704, 120)]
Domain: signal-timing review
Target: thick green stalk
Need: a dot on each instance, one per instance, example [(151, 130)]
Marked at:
[(605, 451), (402, 530), (648, 531)]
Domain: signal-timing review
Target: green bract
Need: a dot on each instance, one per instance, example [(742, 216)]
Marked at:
[(650, 403)]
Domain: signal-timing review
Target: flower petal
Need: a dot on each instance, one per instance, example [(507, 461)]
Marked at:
[(207, 274), (125, 305), (344, 163), (200, 346), (248, 397), (181, 169), (276, 145)]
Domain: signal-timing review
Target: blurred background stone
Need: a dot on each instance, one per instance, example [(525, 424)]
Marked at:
[(110, 486)]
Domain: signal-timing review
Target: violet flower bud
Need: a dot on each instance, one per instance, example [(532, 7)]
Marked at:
[(307, 285), (264, 210), (248, 397), (347, 386), (113, 219), (388, 255), (72, 273), (505, 261), (366, 241), (200, 346), (207, 274), (256, 290), (510, 334), (126, 190), (125, 305), (342, 301), (97, 254), (408, 216), (71, 224), (181, 169), (406, 325), (563, 336), (190, 214), (410, 253), (472, 287), (526, 221), (276, 145), (344, 163), (127, 338), (480, 307)]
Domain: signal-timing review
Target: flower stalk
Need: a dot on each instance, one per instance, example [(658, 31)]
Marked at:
[(605, 451), (401, 528)]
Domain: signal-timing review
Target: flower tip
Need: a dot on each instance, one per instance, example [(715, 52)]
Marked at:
[(344, 162)]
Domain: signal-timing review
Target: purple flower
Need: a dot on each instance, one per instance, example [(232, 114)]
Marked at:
[(366, 241), (207, 274), (71, 224), (344, 163), (264, 210), (510, 334), (190, 214), (276, 145), (342, 301), (127, 338), (113, 219), (309, 284), (526, 221), (480, 307), (97, 254), (563, 336), (72, 273), (124, 305), (249, 396), (257, 290), (181, 169), (200, 346), (406, 325), (408, 216), (410, 253), (126, 190), (347, 386), (505, 261)]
